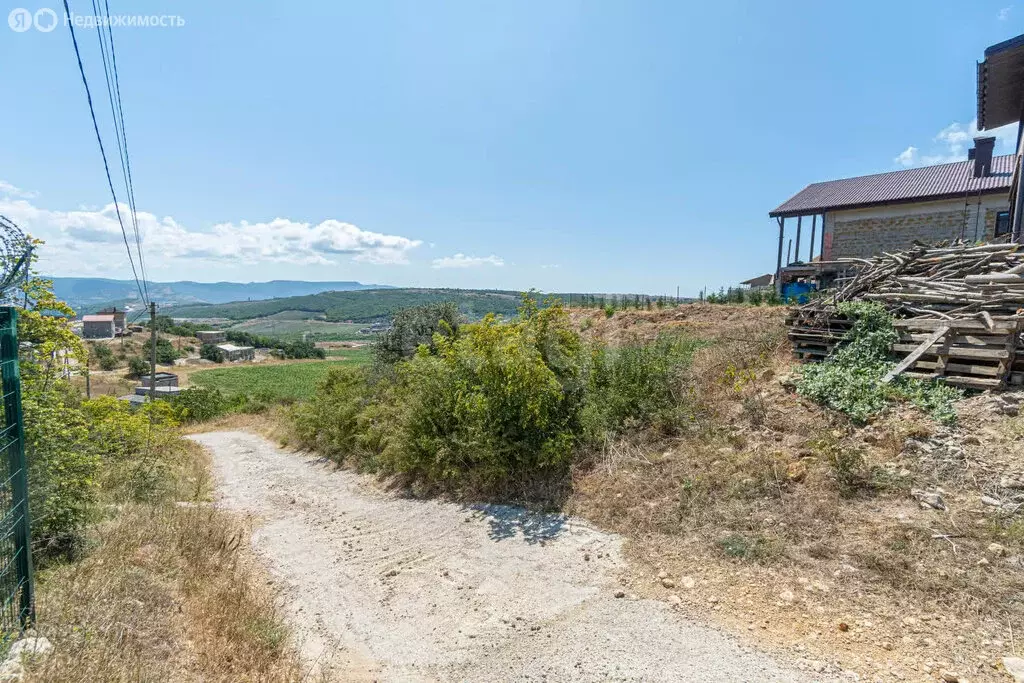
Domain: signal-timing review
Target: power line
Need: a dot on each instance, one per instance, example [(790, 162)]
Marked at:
[(103, 153), (126, 163)]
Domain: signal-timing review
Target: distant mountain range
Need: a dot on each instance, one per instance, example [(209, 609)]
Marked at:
[(87, 294)]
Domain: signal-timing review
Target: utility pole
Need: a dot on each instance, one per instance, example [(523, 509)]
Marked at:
[(88, 386), (152, 354)]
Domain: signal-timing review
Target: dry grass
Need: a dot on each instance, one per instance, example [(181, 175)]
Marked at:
[(768, 495), (167, 591)]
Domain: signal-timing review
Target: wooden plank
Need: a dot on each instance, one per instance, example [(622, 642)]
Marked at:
[(915, 354), (983, 370), (967, 382), (973, 339), (957, 351), (1000, 326)]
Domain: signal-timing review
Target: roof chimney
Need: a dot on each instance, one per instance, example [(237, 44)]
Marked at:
[(982, 155)]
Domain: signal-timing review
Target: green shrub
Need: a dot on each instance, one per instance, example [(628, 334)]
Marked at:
[(329, 423), (211, 352), (63, 464), (641, 383), (198, 404), (413, 327), (166, 354), (850, 380), (499, 400), (104, 356), (609, 310), (138, 367)]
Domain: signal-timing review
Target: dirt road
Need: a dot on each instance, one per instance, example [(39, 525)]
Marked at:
[(383, 588)]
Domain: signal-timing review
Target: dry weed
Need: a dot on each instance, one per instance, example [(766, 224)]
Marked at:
[(166, 591)]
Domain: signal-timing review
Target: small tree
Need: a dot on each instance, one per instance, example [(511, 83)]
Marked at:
[(211, 352), (137, 367)]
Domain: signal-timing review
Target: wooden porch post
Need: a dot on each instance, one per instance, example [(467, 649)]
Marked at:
[(814, 227), (778, 265), (799, 220)]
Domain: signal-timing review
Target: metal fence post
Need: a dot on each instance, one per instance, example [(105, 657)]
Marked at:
[(14, 446)]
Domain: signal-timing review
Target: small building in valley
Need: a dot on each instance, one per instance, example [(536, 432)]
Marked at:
[(162, 379), (235, 353), (98, 326), (120, 318), (212, 336)]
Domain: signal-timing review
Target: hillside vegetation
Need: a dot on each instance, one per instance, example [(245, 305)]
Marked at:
[(361, 306)]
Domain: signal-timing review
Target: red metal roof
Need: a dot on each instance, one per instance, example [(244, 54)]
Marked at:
[(912, 185)]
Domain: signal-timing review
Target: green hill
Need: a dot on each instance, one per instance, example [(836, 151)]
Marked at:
[(357, 306)]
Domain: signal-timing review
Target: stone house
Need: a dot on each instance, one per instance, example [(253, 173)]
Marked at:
[(120, 317), (235, 353), (212, 336), (98, 326)]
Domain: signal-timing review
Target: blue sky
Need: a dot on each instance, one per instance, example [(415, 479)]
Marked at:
[(562, 145)]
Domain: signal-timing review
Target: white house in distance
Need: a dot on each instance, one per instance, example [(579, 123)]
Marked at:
[(98, 326), (235, 353)]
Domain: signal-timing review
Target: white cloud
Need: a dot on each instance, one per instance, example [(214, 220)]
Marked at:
[(1004, 13), (463, 261), (91, 240), (8, 190), (907, 157), (952, 142)]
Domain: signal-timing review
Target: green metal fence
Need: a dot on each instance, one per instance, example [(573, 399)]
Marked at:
[(16, 589)]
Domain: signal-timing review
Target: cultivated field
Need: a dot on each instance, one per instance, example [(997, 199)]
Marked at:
[(311, 329), (295, 380)]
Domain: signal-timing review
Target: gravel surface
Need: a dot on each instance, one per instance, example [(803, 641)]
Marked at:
[(379, 587)]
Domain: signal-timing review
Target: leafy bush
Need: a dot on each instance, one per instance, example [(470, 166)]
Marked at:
[(850, 380), (63, 464), (497, 401), (211, 352), (105, 358), (166, 354), (137, 367), (413, 327), (641, 384), (330, 423), (198, 404)]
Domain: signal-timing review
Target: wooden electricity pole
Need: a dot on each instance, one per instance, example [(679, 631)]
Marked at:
[(152, 351)]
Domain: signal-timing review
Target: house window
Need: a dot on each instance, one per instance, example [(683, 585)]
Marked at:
[(1002, 223)]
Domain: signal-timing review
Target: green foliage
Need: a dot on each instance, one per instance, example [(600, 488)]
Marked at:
[(211, 352), (198, 404), (496, 401), (138, 366), (331, 423), (749, 547), (850, 380), (63, 463), (284, 383), (641, 383), (104, 357), (739, 295), (609, 310), (166, 354), (361, 306), (413, 327)]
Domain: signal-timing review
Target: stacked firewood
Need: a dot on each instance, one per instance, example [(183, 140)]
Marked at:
[(958, 309)]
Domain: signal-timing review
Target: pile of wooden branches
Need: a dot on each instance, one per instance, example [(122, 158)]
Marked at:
[(958, 309), (943, 282)]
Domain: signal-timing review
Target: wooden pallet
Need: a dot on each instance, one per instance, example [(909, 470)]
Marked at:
[(973, 352)]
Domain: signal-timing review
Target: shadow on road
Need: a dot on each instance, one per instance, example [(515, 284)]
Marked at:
[(507, 521)]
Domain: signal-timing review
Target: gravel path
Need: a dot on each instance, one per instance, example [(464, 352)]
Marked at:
[(379, 587)]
